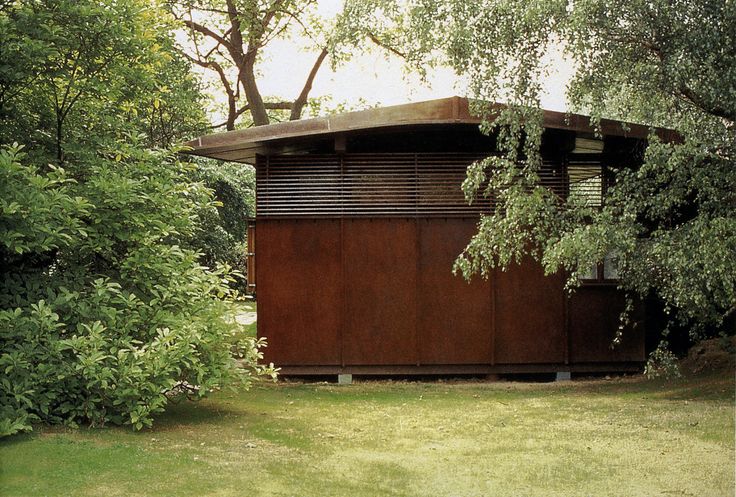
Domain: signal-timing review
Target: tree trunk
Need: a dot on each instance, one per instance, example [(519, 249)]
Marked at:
[(255, 101), (59, 139)]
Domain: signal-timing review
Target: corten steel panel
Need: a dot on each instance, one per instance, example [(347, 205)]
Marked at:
[(454, 319), (530, 315), (299, 291), (380, 287), (594, 319)]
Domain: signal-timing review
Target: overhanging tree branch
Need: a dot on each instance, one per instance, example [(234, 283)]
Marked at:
[(683, 90), (207, 32), (385, 46), (714, 110), (251, 26), (301, 100)]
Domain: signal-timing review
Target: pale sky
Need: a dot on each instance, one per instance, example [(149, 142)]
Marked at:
[(374, 78)]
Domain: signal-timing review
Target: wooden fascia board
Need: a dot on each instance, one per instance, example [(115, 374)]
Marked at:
[(242, 145)]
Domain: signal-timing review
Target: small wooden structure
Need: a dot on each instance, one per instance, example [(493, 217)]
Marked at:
[(359, 219)]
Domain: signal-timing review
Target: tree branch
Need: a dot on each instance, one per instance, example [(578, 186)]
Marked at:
[(383, 45), (715, 110), (267, 105), (214, 66), (216, 48), (684, 90), (207, 32), (278, 105), (301, 100), (295, 17), (205, 9)]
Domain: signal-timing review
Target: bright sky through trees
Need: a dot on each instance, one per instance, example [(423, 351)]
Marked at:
[(369, 78)]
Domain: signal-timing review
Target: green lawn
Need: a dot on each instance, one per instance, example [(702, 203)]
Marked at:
[(621, 437)]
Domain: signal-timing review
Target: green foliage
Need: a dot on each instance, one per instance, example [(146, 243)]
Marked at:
[(38, 212), (74, 74), (221, 237), (670, 220), (662, 363), (118, 317), (106, 312)]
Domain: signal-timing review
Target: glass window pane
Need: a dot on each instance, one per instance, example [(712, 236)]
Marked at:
[(591, 273), (610, 266)]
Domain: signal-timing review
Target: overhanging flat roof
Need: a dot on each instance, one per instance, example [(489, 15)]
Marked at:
[(243, 145)]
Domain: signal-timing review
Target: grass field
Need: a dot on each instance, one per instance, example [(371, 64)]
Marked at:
[(617, 437)]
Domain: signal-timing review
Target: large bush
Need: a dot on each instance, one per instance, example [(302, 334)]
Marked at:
[(103, 316), (106, 308)]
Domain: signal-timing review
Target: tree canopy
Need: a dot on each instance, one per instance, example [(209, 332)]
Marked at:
[(230, 39), (669, 221)]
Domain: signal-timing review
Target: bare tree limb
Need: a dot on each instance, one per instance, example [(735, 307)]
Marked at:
[(278, 30), (295, 17), (267, 105), (246, 65), (205, 9), (217, 46), (248, 32), (278, 105), (301, 100), (214, 66), (207, 32)]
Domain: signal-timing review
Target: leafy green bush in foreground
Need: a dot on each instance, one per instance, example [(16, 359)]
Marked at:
[(104, 315)]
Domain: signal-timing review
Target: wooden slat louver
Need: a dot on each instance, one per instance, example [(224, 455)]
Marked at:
[(375, 185)]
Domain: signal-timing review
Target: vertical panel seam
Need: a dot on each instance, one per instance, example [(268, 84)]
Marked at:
[(566, 311), (417, 270), (417, 262), (493, 316), (343, 299)]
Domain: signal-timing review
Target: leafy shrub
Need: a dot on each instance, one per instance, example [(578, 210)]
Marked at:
[(222, 236), (662, 363), (104, 316)]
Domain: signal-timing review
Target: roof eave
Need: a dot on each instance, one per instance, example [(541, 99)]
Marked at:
[(243, 145)]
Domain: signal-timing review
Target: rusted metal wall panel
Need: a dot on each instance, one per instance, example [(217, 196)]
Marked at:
[(379, 258), (299, 290), (380, 292), (454, 317), (530, 316), (593, 322)]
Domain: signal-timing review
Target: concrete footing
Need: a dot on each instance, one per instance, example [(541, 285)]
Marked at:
[(563, 376), (344, 379)]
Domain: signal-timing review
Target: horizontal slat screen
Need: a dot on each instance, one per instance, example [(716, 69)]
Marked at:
[(374, 185), (585, 176)]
